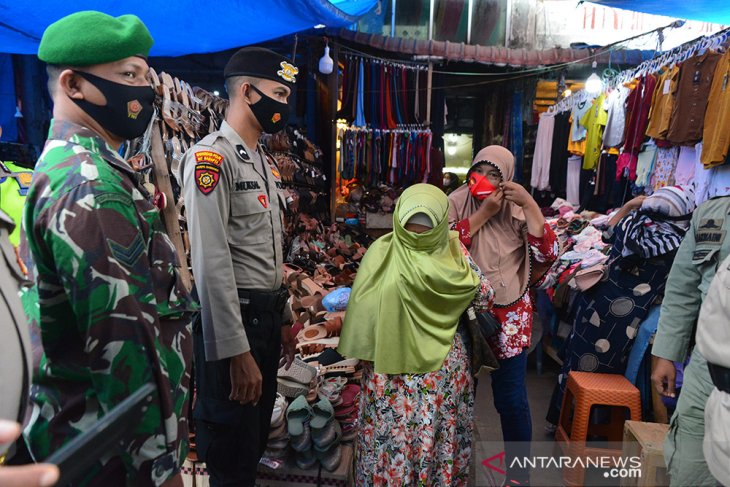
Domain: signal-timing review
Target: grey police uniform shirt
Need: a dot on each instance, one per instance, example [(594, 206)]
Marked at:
[(234, 208), (16, 357)]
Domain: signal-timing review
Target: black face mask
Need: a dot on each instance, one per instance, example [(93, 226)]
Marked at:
[(128, 109), (271, 114)]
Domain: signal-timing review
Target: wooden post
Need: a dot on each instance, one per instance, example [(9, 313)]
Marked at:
[(169, 215)]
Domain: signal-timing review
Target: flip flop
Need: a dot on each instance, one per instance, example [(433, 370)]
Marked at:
[(302, 442), (290, 388), (300, 372), (311, 333), (297, 415), (344, 412), (331, 458), (322, 413), (349, 394), (327, 342), (306, 459), (278, 432), (325, 437)]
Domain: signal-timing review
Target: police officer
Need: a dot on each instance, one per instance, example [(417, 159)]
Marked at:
[(234, 212), (705, 246), (112, 311)]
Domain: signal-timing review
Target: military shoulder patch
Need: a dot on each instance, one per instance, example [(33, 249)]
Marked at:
[(207, 170), (127, 255)]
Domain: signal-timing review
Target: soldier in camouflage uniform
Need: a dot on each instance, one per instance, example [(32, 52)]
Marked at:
[(113, 313)]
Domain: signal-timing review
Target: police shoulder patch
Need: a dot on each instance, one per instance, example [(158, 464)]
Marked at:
[(207, 170)]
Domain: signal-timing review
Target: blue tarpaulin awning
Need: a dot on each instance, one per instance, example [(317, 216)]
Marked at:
[(714, 11), (182, 27)]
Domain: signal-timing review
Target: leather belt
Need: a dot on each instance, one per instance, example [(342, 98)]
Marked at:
[(720, 376)]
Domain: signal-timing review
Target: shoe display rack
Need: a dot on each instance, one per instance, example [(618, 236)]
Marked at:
[(183, 116)]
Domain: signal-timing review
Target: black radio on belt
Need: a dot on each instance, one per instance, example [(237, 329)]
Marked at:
[(720, 377)]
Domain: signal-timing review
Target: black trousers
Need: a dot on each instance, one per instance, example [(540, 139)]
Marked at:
[(231, 438)]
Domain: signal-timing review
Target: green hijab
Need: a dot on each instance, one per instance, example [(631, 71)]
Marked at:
[(410, 291)]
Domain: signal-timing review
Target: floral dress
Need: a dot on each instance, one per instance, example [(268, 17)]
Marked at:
[(516, 319), (416, 429)]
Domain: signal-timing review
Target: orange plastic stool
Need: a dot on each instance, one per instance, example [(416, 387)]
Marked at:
[(588, 389)]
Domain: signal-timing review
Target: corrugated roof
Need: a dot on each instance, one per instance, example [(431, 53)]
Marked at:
[(495, 55)]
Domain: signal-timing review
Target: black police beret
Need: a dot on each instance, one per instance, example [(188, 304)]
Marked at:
[(258, 62)]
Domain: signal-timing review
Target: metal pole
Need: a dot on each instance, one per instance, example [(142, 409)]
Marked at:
[(333, 92), (430, 20), (392, 19), (469, 20), (429, 89)]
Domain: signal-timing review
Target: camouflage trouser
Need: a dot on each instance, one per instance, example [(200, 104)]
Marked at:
[(683, 448)]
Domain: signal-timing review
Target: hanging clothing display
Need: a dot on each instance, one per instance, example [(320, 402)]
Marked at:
[(381, 94), (650, 120), (573, 180), (613, 135), (665, 165), (662, 104), (374, 156), (559, 153), (639, 102), (717, 118), (688, 114), (580, 109), (645, 165), (593, 121), (685, 171), (543, 152)]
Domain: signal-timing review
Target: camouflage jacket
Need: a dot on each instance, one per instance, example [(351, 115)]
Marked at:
[(112, 312)]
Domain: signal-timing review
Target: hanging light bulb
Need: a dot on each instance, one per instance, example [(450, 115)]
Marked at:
[(326, 64), (594, 85), (451, 150)]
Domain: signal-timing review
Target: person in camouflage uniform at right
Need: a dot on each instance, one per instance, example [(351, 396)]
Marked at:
[(113, 313)]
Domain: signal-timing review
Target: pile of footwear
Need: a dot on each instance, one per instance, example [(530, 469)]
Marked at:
[(315, 434), (316, 409)]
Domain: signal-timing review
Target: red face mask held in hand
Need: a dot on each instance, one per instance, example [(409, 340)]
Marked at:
[(480, 187)]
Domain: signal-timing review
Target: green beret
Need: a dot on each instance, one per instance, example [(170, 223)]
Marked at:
[(90, 37), (258, 62)]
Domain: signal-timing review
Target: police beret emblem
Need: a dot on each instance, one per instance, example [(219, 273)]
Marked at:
[(288, 72)]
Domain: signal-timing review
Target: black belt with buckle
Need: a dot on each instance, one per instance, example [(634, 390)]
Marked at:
[(264, 300), (720, 376)]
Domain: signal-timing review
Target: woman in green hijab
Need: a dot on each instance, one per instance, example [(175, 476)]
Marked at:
[(416, 410)]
